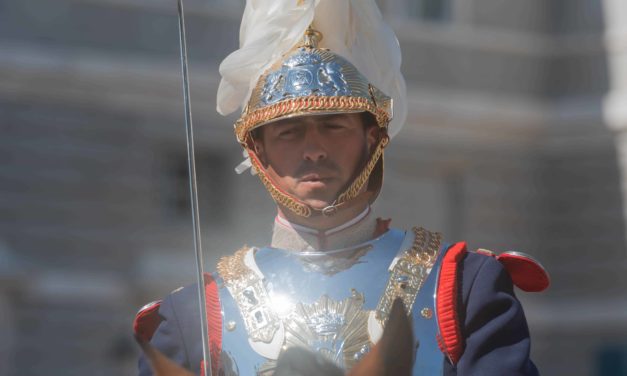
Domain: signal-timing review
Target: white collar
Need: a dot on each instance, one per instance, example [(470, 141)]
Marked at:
[(292, 236), (296, 227)]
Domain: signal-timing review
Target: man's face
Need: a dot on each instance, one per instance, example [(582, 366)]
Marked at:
[(314, 158)]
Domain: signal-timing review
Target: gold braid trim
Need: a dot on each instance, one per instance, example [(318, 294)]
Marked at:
[(357, 185), (306, 106), (410, 272), (279, 197), (248, 290), (232, 268), (425, 250)]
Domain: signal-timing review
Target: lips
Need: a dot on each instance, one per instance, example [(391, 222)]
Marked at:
[(312, 178)]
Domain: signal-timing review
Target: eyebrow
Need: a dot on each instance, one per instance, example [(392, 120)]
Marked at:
[(330, 117), (320, 118)]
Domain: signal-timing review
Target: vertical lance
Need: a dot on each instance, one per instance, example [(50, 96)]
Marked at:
[(194, 191)]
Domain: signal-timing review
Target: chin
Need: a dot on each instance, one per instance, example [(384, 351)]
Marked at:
[(316, 198), (317, 204)]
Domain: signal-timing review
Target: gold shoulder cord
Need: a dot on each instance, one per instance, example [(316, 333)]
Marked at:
[(410, 272), (232, 268), (248, 291)]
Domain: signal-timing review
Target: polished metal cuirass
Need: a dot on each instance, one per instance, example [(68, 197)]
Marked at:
[(332, 302)]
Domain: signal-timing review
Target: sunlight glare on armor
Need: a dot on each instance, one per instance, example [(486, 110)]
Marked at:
[(281, 304)]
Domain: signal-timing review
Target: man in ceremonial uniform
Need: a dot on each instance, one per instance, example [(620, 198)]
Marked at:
[(322, 95)]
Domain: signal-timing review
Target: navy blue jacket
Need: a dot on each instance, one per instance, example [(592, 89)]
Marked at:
[(492, 323)]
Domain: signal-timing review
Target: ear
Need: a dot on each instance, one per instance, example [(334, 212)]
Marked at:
[(260, 151), (372, 136)]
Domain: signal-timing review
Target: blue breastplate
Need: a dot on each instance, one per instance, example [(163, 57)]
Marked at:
[(333, 302)]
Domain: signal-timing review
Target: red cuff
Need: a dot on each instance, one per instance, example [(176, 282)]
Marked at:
[(147, 321)]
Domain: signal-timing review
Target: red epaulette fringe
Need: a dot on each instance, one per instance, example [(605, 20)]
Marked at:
[(450, 340), (214, 324)]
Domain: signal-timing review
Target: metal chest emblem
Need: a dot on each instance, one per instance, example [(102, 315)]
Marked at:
[(304, 74), (337, 330)]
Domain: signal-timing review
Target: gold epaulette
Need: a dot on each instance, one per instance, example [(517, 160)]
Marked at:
[(409, 272), (247, 289)]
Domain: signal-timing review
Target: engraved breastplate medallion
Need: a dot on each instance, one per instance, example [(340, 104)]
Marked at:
[(335, 329)]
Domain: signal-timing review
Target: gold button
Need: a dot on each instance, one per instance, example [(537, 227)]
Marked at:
[(230, 326), (427, 313)]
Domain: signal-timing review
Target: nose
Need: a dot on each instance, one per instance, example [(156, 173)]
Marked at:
[(314, 149)]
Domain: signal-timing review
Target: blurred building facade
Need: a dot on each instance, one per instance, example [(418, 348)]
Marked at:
[(513, 142)]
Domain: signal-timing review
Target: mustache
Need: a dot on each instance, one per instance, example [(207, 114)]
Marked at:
[(319, 167)]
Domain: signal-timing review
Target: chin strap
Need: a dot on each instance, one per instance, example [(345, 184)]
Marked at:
[(352, 193)]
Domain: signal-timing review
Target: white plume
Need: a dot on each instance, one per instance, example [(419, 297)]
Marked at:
[(353, 29)]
